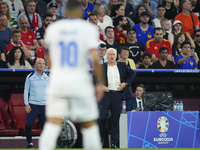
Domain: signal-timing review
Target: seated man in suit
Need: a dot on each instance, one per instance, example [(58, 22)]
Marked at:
[(118, 78), (136, 104)]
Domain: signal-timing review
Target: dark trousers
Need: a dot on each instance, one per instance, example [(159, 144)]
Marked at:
[(37, 111), (110, 101)]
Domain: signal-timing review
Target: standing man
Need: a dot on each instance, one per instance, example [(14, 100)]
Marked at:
[(163, 63), (153, 45), (136, 104), (34, 18), (144, 30), (118, 78), (87, 8), (40, 34), (136, 49), (35, 98), (151, 8), (79, 102), (190, 21)]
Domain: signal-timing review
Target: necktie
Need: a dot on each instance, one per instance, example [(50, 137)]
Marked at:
[(140, 106)]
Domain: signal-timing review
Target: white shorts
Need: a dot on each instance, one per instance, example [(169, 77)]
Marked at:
[(79, 105)]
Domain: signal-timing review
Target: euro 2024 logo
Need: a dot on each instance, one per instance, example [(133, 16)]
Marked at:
[(163, 126)]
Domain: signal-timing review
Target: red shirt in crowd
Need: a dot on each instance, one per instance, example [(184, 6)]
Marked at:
[(119, 36), (101, 35), (28, 37), (9, 47), (153, 47), (40, 52)]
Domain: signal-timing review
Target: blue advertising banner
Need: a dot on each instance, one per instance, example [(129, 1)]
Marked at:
[(163, 129)]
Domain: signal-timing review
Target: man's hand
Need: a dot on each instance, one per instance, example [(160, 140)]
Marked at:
[(146, 5), (193, 54), (105, 89), (124, 32), (99, 91), (138, 109), (21, 43), (28, 108), (121, 86)]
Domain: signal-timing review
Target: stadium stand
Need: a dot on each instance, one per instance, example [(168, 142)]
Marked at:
[(18, 114), (6, 121)]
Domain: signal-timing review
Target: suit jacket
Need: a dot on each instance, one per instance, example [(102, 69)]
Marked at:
[(131, 104), (126, 75)]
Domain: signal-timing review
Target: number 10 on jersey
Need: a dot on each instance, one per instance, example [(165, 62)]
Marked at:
[(69, 54)]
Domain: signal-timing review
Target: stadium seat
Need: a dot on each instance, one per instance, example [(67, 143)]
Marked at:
[(18, 114), (6, 121)]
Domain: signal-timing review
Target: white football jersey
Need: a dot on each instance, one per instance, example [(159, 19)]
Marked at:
[(69, 42)]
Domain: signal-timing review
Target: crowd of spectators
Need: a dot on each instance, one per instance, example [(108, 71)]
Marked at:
[(133, 27)]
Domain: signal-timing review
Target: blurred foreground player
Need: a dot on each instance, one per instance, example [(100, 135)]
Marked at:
[(71, 93)]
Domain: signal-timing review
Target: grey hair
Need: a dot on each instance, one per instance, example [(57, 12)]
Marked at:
[(111, 49)]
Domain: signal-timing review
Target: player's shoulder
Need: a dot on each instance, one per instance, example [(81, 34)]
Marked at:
[(76, 22)]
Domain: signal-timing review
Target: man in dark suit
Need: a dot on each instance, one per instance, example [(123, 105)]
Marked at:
[(136, 104), (118, 78)]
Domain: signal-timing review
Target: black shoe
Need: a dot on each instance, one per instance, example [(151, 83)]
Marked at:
[(30, 145), (1, 123), (113, 146)]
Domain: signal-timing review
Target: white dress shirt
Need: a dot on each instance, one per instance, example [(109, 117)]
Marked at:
[(137, 100), (113, 77)]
